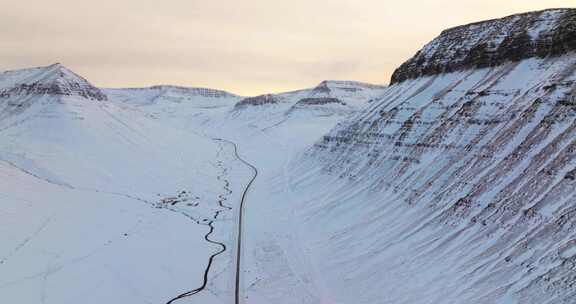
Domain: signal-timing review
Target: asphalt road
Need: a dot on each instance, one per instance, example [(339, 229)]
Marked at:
[(222, 245), (240, 220)]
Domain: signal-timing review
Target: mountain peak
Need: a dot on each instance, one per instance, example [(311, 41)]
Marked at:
[(327, 86), (58, 72), (550, 32), (56, 65), (54, 79)]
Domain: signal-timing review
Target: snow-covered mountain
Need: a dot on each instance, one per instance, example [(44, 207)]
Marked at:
[(494, 42), (54, 80), (337, 97), (20, 89), (318, 108), (458, 185), (100, 199), (199, 97), (330, 96), (455, 184), (122, 184)]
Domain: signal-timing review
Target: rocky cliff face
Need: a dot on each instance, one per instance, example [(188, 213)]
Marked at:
[(53, 80), (465, 168), (260, 100), (23, 89), (540, 34)]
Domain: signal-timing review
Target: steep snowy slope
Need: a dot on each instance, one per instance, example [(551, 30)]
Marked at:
[(458, 186), (103, 204), (21, 89), (53, 80)]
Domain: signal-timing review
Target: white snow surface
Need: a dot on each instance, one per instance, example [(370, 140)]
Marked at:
[(391, 195), (107, 201), (452, 188), (81, 201)]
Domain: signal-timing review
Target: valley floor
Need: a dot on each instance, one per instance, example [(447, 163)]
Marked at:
[(164, 232)]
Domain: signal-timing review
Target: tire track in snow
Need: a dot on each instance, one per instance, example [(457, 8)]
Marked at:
[(26, 240)]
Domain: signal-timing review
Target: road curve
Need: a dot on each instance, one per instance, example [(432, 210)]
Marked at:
[(240, 219), (223, 246)]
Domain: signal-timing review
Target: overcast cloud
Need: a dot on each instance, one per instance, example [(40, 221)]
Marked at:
[(247, 47)]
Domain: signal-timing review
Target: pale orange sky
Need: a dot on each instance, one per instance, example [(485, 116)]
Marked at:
[(244, 46)]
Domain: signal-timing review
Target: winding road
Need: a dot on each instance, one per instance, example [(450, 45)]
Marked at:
[(222, 245), (240, 219)]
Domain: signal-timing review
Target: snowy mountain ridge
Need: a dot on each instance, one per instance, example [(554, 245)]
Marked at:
[(458, 184), (168, 93), (541, 34), (57, 80), (50, 80), (455, 184), (330, 97)]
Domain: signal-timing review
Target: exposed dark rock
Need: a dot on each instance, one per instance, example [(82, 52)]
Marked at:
[(319, 101), (494, 42), (322, 88), (38, 88), (571, 175), (53, 80), (257, 101)]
